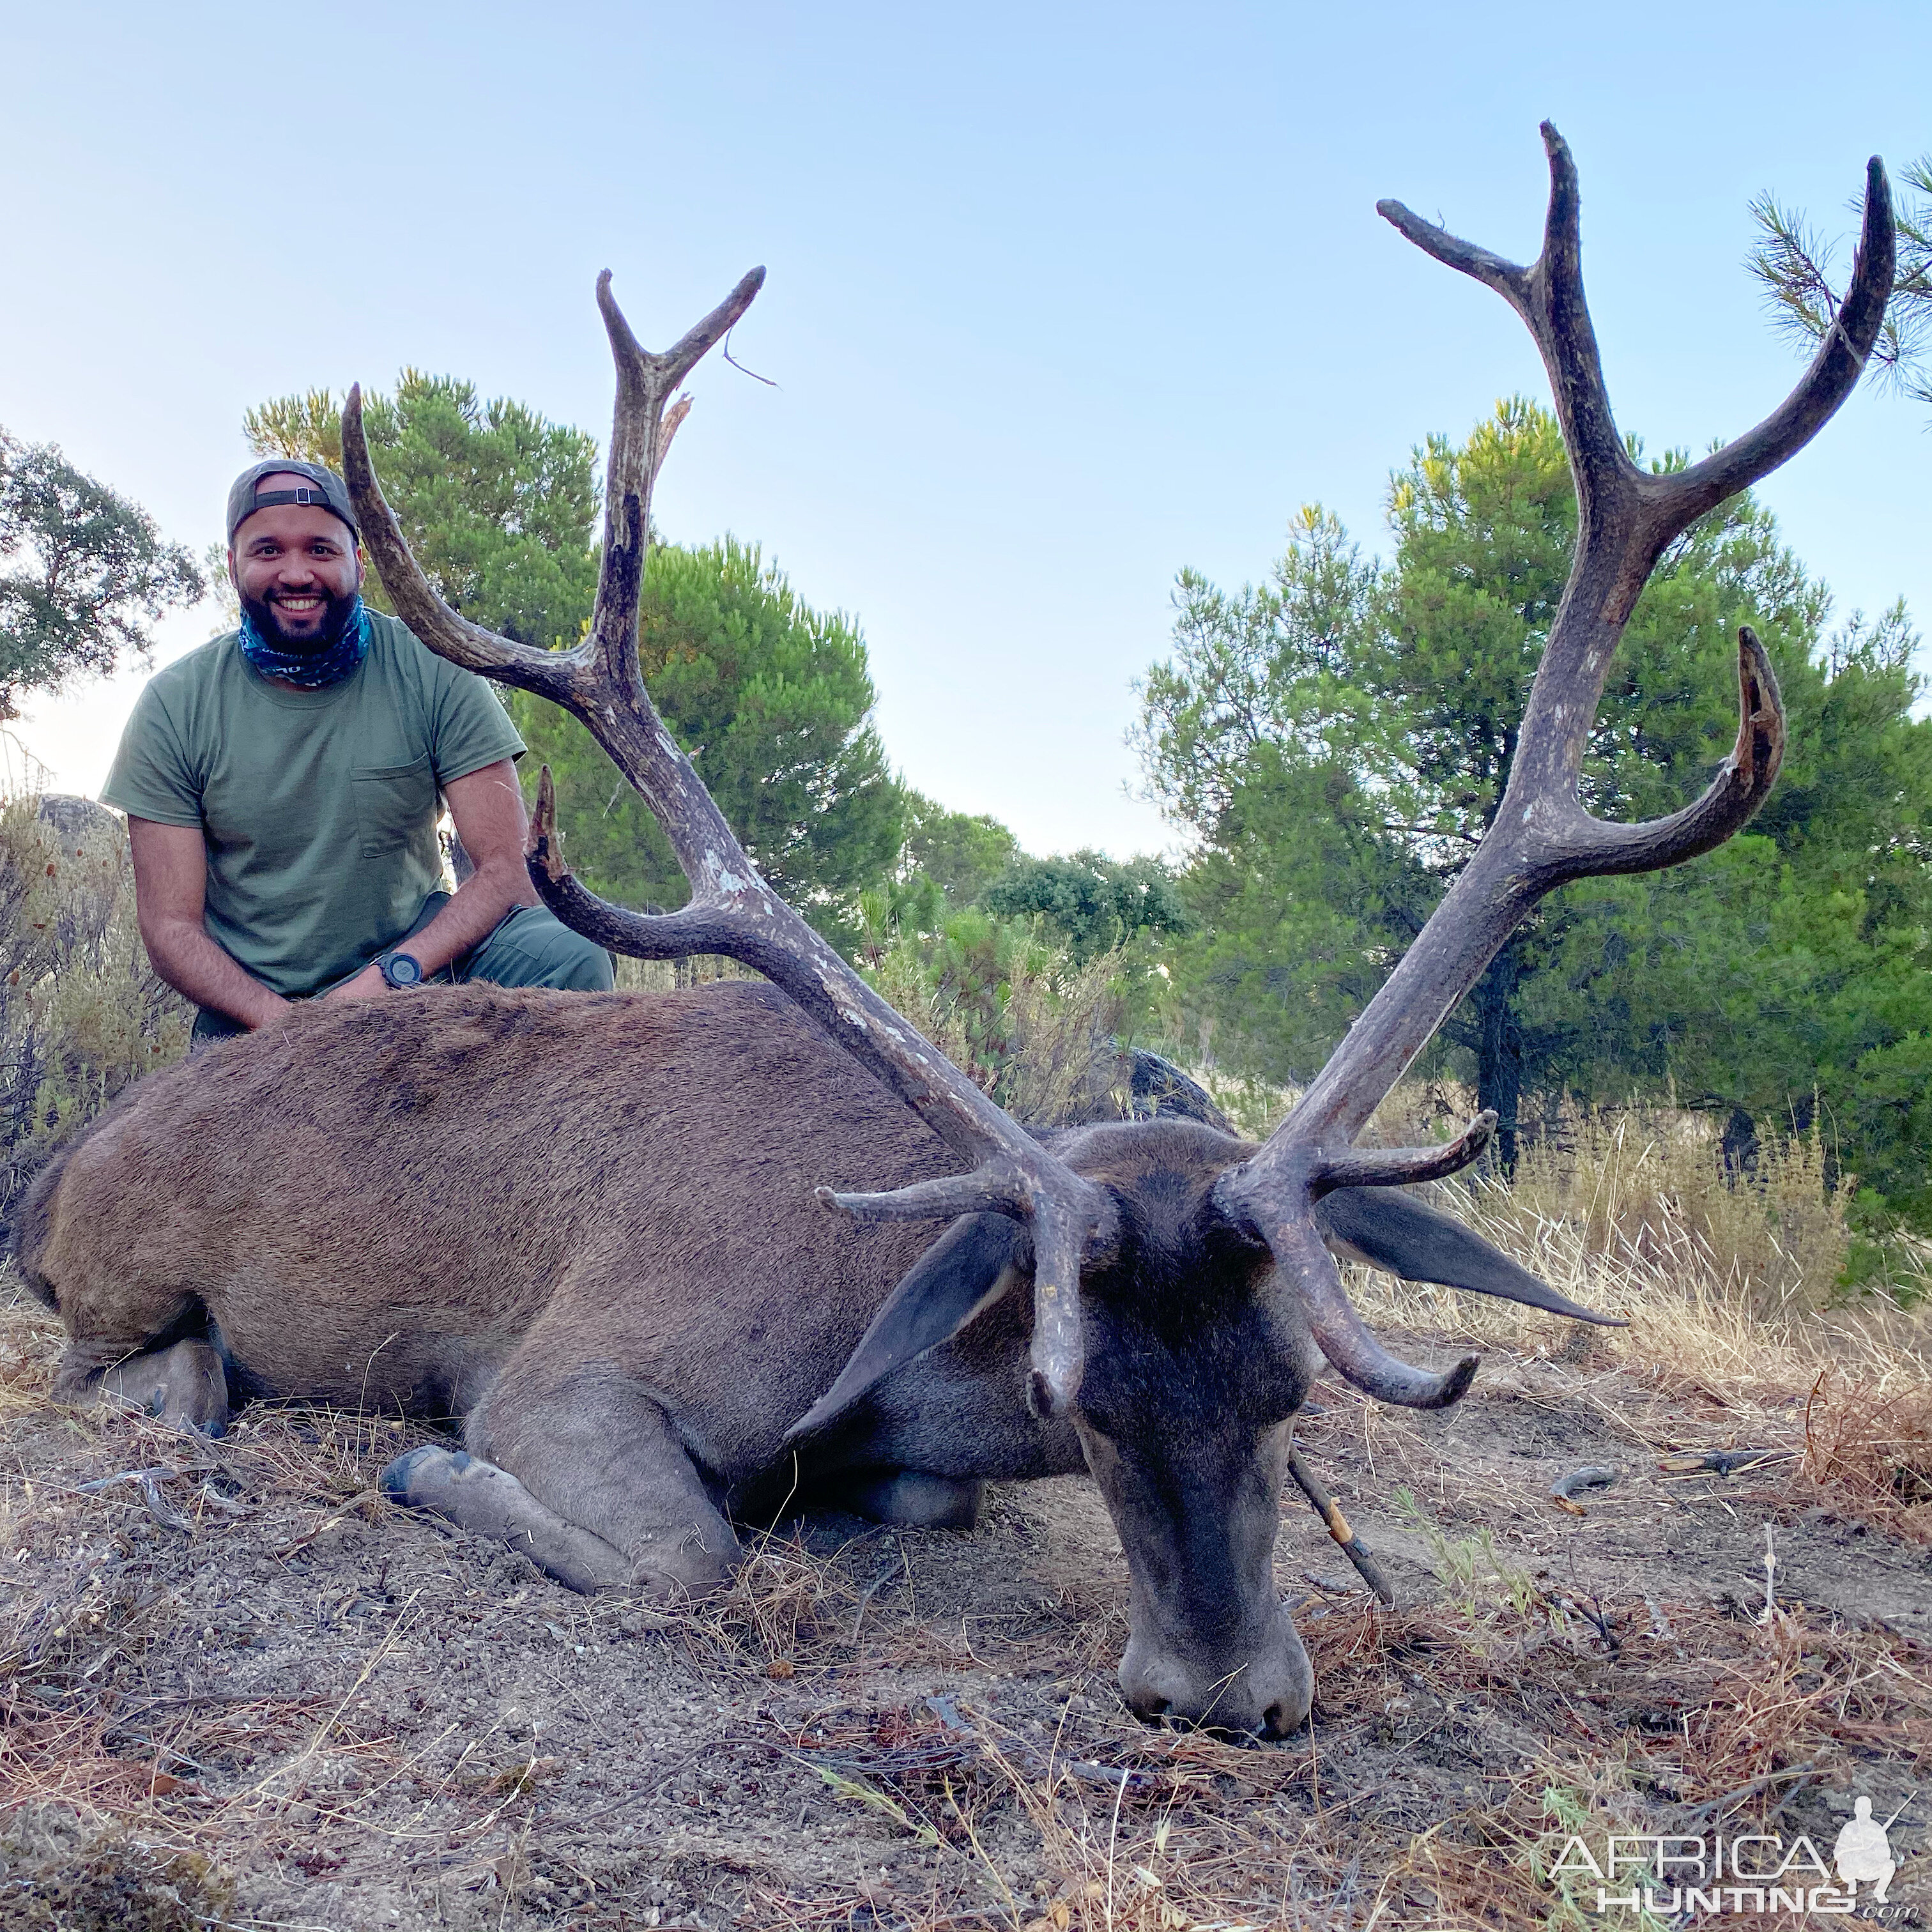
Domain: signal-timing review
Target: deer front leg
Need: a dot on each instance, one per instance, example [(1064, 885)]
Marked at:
[(584, 1475), (133, 1339), (478, 1496), (183, 1385)]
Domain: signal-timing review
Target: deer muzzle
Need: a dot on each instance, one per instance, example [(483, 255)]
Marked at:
[(1258, 1682)]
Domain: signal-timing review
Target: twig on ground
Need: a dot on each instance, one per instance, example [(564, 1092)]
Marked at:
[(1339, 1527), (897, 1565), (1716, 1808), (1591, 1476), (1723, 1462)]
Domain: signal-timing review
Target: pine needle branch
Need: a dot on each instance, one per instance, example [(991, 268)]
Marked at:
[(1793, 263)]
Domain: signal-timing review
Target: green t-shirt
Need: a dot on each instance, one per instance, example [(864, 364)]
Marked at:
[(319, 807)]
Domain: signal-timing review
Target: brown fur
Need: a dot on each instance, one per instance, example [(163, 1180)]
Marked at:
[(583, 1226), (430, 1181)]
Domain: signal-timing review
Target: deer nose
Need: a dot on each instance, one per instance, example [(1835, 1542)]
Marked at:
[(1283, 1718), (1264, 1691)]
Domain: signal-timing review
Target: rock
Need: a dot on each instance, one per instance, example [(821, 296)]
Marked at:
[(1160, 1090)]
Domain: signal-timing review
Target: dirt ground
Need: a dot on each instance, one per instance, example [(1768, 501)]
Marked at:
[(243, 1691)]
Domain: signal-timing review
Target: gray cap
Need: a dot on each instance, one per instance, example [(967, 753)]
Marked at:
[(330, 493)]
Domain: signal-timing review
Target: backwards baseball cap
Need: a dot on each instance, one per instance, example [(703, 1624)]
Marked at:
[(326, 491)]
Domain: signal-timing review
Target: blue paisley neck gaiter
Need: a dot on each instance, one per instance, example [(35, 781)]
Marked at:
[(328, 663)]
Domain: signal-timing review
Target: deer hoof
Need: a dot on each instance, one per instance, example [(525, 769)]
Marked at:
[(478, 1496), (184, 1386)]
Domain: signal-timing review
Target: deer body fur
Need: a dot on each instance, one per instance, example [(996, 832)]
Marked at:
[(583, 1229)]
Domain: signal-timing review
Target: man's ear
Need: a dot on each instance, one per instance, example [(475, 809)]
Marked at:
[(234, 576), (962, 1274)]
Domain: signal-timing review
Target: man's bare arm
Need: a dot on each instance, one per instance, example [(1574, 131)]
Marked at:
[(486, 809), (170, 887)]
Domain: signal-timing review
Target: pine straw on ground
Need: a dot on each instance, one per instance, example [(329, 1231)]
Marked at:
[(964, 1767)]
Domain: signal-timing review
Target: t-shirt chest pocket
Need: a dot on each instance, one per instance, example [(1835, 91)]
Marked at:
[(395, 804)]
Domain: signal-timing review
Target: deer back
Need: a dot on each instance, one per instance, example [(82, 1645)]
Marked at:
[(429, 1178)]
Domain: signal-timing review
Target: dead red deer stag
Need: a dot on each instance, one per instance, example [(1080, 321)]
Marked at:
[(592, 1228)]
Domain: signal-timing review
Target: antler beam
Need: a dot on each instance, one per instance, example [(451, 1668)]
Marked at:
[(1541, 836), (732, 909)]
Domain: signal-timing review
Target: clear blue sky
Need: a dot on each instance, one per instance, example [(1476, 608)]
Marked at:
[(1061, 298)]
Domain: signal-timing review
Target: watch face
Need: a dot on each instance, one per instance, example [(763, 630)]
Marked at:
[(399, 970)]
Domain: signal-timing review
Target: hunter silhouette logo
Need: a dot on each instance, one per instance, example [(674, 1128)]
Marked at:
[(1863, 1852)]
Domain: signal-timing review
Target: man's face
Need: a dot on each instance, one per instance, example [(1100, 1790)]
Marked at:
[(296, 569)]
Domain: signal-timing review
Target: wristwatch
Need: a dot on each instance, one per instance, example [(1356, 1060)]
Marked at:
[(400, 969)]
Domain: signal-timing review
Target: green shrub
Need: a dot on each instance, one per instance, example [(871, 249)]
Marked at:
[(1032, 1028), (82, 1012)]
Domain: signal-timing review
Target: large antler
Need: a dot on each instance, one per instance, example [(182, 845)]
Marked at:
[(1541, 836), (731, 909)]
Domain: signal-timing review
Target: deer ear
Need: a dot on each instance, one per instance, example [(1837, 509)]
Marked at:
[(962, 1274), (1394, 1231)]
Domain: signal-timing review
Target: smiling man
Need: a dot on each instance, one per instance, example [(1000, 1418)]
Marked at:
[(282, 787)]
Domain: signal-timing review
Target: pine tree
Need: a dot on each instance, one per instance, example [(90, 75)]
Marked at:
[(1337, 739)]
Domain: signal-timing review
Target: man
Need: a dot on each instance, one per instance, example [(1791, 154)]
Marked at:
[(281, 786)]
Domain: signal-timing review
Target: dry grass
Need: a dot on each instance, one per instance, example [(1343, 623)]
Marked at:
[(1456, 1742), (1032, 1027), (1725, 1283), (1037, 1031), (1732, 1721), (81, 1011), (1676, 1722), (1730, 1294), (1869, 1447), (57, 1875)]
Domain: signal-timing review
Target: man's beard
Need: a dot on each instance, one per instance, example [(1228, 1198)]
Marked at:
[(338, 614)]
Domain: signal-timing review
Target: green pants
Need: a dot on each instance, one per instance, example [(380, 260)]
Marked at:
[(530, 947)]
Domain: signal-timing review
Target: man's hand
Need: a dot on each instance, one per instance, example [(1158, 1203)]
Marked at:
[(487, 811), (368, 984), (170, 886)]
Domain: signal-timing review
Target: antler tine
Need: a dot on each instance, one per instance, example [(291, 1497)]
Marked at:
[(1567, 341), (995, 1187), (446, 632), (1541, 836), (1401, 1167), (732, 909), (1684, 496), (1593, 847), (1066, 1233), (1343, 1336), (640, 433), (1549, 296), (698, 341), (1510, 280), (704, 926)]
